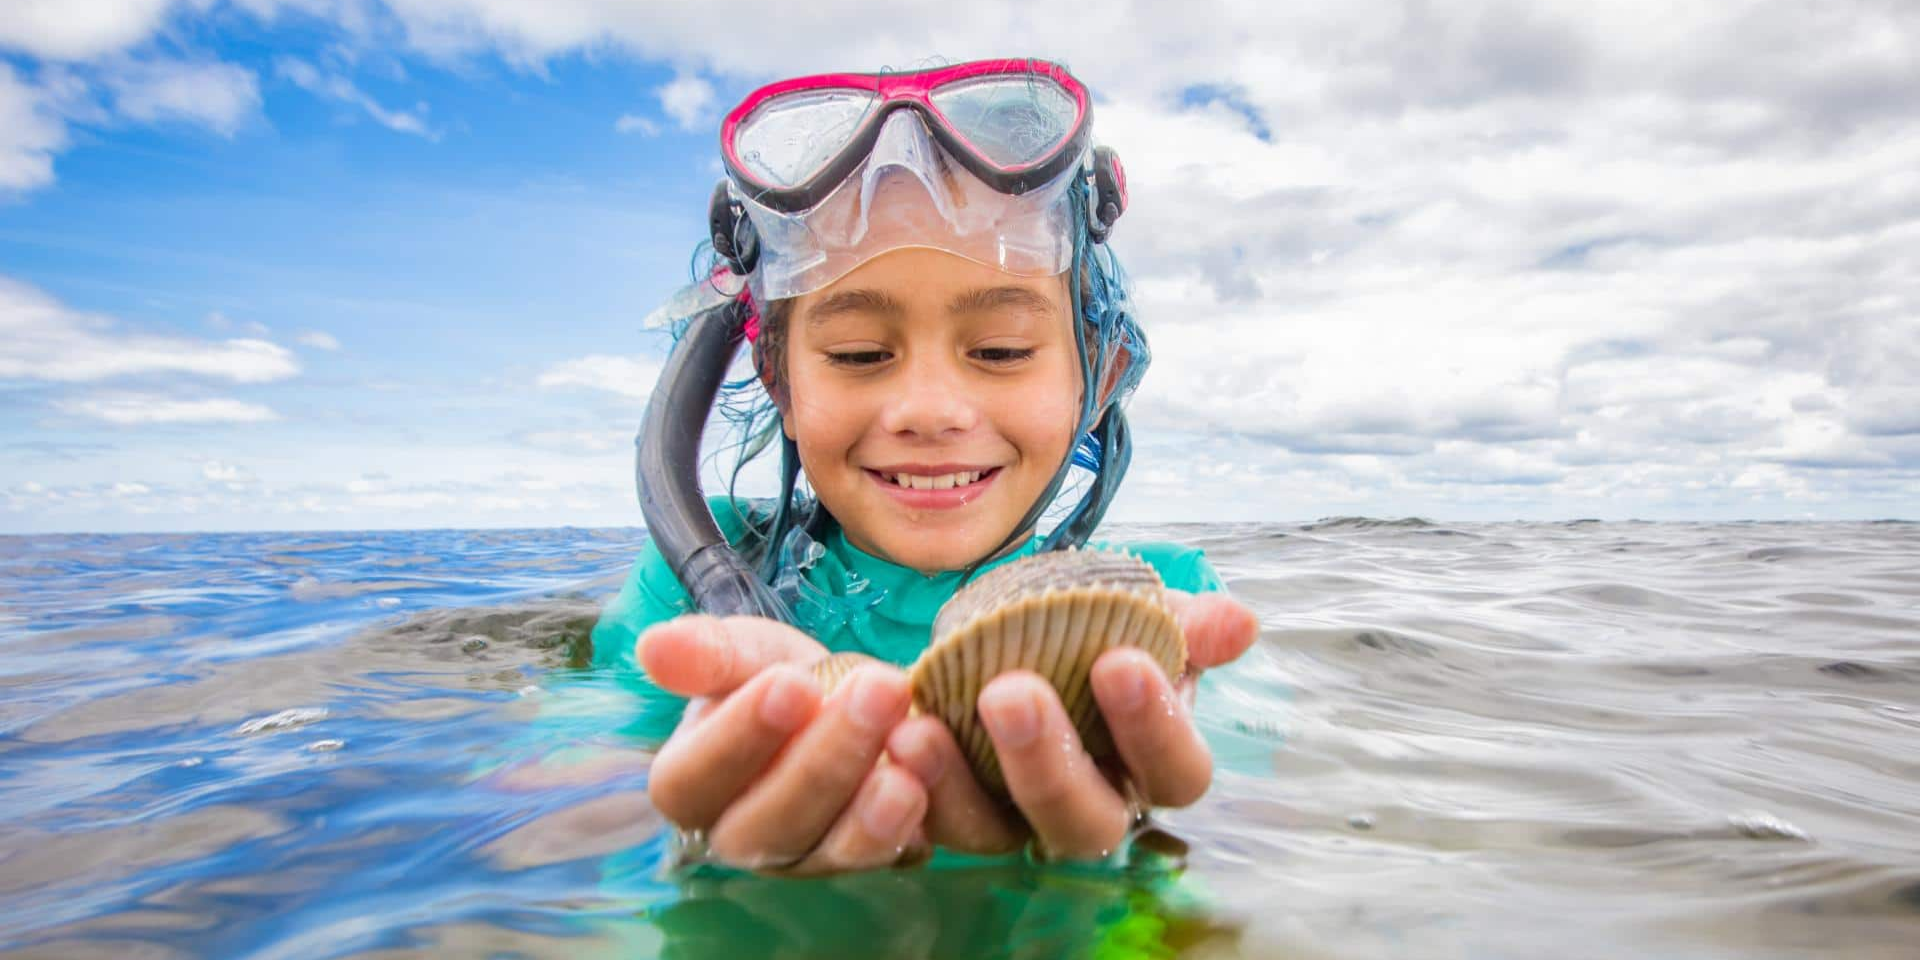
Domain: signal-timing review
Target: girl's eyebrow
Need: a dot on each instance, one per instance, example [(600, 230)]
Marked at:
[(988, 299), (855, 301)]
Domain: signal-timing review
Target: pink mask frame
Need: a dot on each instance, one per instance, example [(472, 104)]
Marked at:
[(914, 90)]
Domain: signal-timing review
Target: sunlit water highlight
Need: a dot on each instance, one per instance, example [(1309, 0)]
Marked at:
[(1478, 740)]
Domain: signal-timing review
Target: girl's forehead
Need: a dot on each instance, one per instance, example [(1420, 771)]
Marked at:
[(903, 303), (905, 283)]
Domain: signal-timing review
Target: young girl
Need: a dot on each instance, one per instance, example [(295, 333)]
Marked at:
[(942, 339)]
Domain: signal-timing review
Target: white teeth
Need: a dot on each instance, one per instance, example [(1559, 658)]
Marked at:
[(942, 482)]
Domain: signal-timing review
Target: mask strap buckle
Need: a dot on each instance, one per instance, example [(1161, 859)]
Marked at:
[(1109, 193), (734, 238)]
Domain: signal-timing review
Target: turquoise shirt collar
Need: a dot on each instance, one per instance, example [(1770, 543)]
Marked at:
[(897, 623), (909, 596)]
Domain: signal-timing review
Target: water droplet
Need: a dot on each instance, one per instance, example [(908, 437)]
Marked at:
[(1360, 821)]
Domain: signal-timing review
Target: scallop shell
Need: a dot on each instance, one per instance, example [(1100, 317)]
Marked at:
[(832, 669), (1051, 613), (1054, 614)]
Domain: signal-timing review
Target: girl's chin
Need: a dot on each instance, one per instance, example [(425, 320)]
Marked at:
[(929, 562), (931, 548)]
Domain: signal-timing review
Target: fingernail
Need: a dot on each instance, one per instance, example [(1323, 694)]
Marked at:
[(1011, 716), (891, 810), (784, 705), (876, 701)]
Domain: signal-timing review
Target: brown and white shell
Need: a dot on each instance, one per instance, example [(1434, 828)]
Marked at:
[(1054, 614), (1051, 613)]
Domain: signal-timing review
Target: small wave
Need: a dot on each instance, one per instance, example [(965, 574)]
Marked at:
[(308, 588), (1389, 641), (1855, 670), (1760, 825), (1629, 596), (1368, 523), (284, 720)]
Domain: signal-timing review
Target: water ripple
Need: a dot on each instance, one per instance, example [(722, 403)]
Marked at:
[(1487, 740)]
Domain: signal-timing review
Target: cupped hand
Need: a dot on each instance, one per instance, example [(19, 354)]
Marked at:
[(778, 778), (1072, 807)]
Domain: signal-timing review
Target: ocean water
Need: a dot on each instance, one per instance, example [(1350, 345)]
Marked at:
[(1475, 740)]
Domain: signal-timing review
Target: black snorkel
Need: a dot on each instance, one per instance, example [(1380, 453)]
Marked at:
[(666, 470)]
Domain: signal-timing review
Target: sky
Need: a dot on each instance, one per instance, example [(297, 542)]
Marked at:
[(346, 264)]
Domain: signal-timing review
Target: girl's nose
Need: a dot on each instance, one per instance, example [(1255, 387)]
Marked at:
[(932, 400)]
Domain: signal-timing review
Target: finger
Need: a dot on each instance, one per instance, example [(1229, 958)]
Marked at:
[(1073, 810), (876, 830), (1165, 755), (960, 813), (1217, 628), (702, 656), (786, 812), (706, 765)]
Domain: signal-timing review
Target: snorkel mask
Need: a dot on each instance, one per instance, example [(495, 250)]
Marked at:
[(986, 160)]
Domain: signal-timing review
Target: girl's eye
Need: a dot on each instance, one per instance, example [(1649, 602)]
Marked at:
[(856, 358), (1003, 355)]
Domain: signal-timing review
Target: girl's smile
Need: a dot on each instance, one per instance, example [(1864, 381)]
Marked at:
[(931, 399), (940, 487)]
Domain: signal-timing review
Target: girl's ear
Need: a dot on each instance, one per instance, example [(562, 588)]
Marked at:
[(1116, 371)]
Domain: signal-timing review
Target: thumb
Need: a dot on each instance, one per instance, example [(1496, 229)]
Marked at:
[(702, 656), (1217, 628)]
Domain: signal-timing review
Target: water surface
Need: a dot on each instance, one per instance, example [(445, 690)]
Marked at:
[(1474, 740)]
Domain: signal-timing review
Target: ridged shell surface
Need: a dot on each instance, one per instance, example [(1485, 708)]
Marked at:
[(832, 669), (1054, 614)]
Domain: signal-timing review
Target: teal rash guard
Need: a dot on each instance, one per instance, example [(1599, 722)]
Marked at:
[(853, 601)]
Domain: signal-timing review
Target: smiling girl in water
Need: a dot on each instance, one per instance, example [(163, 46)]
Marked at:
[(943, 344)]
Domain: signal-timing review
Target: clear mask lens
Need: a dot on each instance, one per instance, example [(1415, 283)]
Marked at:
[(1012, 121), (791, 138)]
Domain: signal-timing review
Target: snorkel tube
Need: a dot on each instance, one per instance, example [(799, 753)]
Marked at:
[(666, 470)]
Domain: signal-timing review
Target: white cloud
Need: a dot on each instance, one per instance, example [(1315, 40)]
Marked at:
[(634, 123), (318, 340), (139, 410), (626, 376), (686, 99), (252, 328), (336, 87), (79, 29), (220, 472), (31, 132), (42, 339), (217, 95), (1624, 253), (577, 442)]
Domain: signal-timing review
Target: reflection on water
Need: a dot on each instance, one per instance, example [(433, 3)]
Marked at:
[(1479, 740)]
